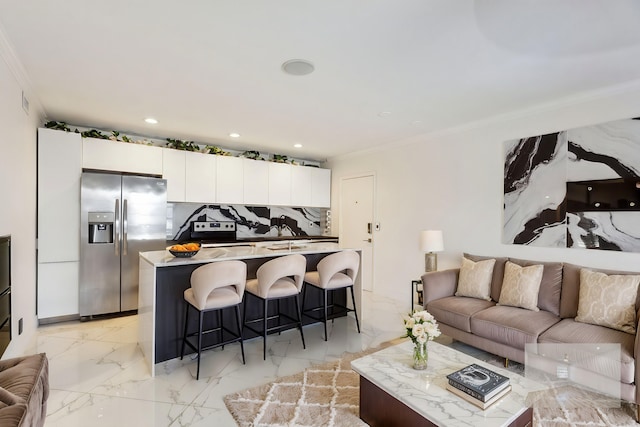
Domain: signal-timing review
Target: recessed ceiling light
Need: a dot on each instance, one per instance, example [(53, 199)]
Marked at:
[(416, 122), (297, 145), (234, 135), (151, 121), (298, 67), (384, 113)]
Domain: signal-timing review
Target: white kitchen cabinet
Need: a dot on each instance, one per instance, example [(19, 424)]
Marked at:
[(173, 170), (256, 182), (58, 289), (279, 184), (103, 154), (300, 186), (200, 173), (229, 180), (321, 187), (59, 173)]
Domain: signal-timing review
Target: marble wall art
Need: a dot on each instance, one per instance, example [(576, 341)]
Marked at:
[(534, 191), (252, 221), (578, 188)]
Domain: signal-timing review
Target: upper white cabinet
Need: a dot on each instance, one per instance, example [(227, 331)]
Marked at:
[(229, 180), (103, 154), (300, 186), (200, 173), (280, 184), (256, 182), (320, 187), (59, 172), (173, 170)]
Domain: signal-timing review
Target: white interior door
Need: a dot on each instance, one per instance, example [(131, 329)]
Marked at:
[(356, 221)]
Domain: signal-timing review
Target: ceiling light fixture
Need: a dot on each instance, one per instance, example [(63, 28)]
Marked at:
[(297, 145), (384, 113), (298, 67), (151, 121), (234, 135)]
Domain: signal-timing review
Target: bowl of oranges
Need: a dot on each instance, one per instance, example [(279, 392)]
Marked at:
[(185, 250)]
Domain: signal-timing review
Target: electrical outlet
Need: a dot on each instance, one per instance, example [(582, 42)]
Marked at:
[(20, 326)]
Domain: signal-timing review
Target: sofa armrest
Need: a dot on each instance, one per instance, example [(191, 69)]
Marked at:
[(439, 284)]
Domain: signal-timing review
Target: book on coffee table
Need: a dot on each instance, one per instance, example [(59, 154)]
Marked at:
[(479, 382), (480, 404)]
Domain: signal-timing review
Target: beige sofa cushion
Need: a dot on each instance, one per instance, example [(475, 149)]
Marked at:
[(498, 273), (457, 311), (571, 288), (608, 300), (550, 286), (475, 279), (521, 285), (511, 326)]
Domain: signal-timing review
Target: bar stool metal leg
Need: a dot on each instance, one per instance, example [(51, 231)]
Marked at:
[(297, 299), (184, 336), (325, 296), (240, 332), (199, 344), (355, 311), (264, 333)]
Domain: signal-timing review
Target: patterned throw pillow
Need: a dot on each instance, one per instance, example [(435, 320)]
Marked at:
[(475, 279), (520, 286), (608, 300)]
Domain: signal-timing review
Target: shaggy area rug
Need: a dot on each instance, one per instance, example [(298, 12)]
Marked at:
[(327, 395)]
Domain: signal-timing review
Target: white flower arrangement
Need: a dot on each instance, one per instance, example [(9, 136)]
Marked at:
[(421, 327)]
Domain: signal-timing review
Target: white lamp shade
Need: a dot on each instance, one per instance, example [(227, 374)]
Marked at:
[(431, 241)]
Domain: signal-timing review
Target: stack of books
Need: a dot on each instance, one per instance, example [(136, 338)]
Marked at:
[(478, 385)]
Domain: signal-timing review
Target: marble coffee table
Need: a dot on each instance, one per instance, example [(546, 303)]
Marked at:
[(393, 393)]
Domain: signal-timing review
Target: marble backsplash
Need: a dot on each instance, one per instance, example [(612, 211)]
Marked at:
[(252, 221)]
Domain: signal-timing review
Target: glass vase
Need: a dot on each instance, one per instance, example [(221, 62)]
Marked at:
[(420, 356)]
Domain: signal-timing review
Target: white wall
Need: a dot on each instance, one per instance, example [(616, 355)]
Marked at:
[(454, 182), (18, 199)]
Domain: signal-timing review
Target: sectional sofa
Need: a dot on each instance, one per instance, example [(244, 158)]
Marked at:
[(24, 389), (571, 305)]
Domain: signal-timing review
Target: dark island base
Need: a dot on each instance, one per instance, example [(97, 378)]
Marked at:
[(171, 282)]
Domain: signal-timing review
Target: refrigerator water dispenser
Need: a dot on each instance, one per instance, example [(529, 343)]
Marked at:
[(100, 227)]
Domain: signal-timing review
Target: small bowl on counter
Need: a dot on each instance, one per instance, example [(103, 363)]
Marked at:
[(185, 250)]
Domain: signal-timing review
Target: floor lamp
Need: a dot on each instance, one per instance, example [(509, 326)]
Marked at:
[(431, 242)]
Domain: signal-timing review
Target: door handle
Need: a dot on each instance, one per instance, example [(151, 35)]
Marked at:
[(117, 228), (367, 240), (369, 227), (125, 226)]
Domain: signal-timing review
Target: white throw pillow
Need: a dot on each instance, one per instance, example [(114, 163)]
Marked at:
[(475, 279), (521, 285), (608, 300)]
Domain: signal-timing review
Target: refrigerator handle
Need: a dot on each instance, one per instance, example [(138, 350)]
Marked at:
[(125, 225), (116, 230)]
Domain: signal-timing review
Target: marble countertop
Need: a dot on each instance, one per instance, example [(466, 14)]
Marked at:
[(425, 391), (165, 259)]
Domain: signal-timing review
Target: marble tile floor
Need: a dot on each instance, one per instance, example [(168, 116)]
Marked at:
[(98, 376)]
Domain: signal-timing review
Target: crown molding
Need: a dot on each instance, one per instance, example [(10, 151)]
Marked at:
[(7, 52), (554, 106)]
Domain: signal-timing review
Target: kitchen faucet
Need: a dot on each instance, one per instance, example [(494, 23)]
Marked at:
[(281, 224)]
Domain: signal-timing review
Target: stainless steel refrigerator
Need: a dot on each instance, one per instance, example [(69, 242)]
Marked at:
[(121, 215)]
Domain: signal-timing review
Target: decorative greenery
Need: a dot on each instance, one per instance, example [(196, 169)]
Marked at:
[(280, 158), (179, 144), (57, 126), (252, 154), (94, 133), (212, 149)]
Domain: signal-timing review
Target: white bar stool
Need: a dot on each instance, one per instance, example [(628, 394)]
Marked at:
[(214, 287), (336, 271), (278, 279)]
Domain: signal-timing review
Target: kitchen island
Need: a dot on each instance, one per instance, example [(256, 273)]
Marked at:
[(164, 278)]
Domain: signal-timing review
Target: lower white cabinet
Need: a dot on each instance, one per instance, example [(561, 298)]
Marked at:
[(58, 289)]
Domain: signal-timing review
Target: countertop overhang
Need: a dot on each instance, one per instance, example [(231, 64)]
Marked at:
[(165, 259)]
